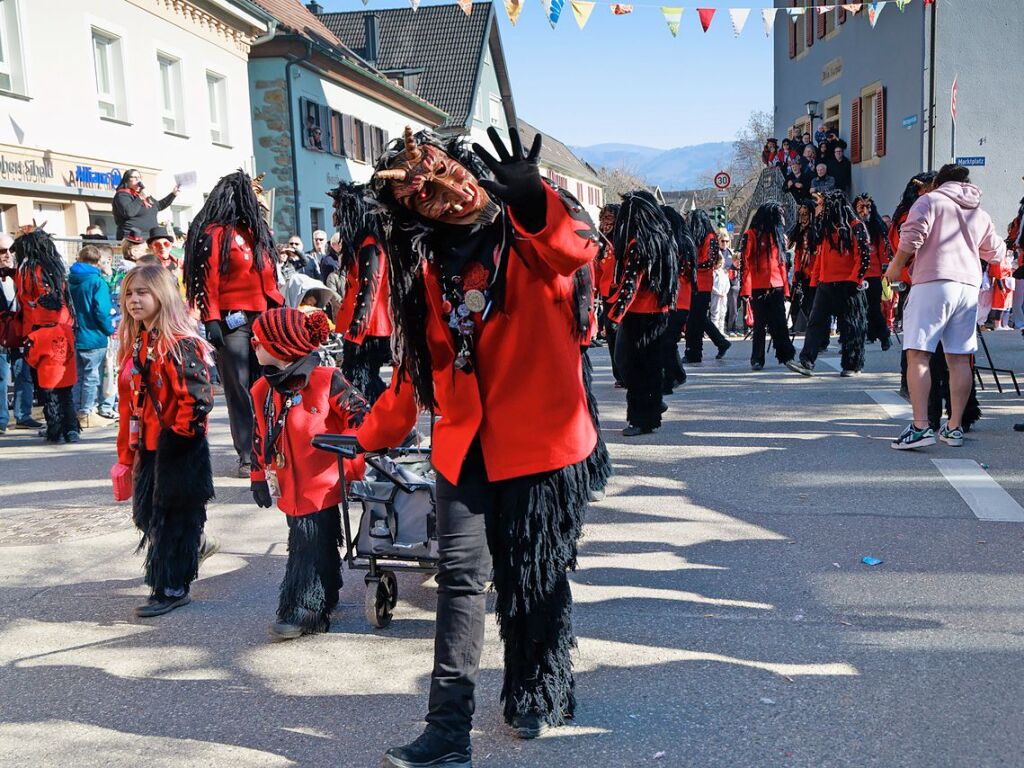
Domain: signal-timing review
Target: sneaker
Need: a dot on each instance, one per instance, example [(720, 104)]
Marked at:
[(159, 604), (953, 437), (529, 726), (722, 350), (72, 437), (243, 469), (28, 424), (281, 631), (431, 749), (112, 415), (799, 367), (208, 547), (757, 366), (632, 431), (912, 437), (849, 373)]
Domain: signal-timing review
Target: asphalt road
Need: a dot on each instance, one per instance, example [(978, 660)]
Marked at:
[(723, 612)]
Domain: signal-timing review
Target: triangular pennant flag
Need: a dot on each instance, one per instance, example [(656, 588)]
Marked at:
[(768, 19), (553, 11), (706, 15), (621, 9), (874, 10), (513, 8), (466, 6), (851, 8), (672, 17), (823, 9), (366, 2), (582, 9), (795, 13), (415, 4), (739, 19)]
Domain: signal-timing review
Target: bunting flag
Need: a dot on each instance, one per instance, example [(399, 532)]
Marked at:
[(366, 2), (672, 17), (621, 9), (795, 13), (553, 11), (823, 9), (513, 8), (582, 9), (415, 4), (851, 8), (739, 19), (706, 15), (901, 4), (466, 6), (768, 19), (875, 10)]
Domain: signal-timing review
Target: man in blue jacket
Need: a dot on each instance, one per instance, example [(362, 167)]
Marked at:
[(93, 326)]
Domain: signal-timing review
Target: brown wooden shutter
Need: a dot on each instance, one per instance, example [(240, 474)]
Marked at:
[(880, 122), (325, 128), (809, 15), (842, 15), (855, 130), (820, 19), (367, 143), (791, 24)]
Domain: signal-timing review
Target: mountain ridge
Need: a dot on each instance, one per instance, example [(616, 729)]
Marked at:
[(688, 167)]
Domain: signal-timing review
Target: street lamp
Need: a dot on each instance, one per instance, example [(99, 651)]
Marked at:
[(812, 112)]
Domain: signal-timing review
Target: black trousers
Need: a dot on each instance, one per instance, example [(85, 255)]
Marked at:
[(733, 323), (611, 332), (527, 527), (674, 373), (312, 577), (361, 364), (878, 328), (238, 371), (697, 325), (769, 307), (59, 412), (846, 303), (639, 351)]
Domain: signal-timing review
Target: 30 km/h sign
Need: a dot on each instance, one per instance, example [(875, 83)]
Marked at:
[(723, 180)]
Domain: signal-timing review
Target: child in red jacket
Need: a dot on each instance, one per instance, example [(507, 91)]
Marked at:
[(296, 399)]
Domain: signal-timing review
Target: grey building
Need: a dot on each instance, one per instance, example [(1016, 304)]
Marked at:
[(887, 91)]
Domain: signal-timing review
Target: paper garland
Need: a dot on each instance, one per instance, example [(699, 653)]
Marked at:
[(553, 11), (415, 4), (582, 9), (513, 8), (738, 16), (621, 9), (672, 18), (768, 20), (466, 6), (874, 11), (706, 15)]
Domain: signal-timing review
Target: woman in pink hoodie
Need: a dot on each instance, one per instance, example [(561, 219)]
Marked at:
[(946, 233)]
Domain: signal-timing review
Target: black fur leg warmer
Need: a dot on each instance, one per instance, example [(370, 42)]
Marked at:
[(599, 463), (312, 578), (853, 325)]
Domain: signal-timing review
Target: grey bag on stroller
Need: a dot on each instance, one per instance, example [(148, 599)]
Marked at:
[(397, 521)]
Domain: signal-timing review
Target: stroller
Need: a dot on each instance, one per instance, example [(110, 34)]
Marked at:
[(398, 527)]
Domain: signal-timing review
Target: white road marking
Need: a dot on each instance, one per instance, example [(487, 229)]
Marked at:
[(895, 406), (832, 362), (986, 498)]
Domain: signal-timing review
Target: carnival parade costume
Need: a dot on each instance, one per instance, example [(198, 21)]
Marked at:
[(487, 327), (698, 323), (230, 277), (881, 254), (674, 374), (293, 404), (764, 280), (47, 320), (365, 314)]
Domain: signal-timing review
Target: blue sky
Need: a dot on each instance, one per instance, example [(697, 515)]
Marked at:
[(625, 79)]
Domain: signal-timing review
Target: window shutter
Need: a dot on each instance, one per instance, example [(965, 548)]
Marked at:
[(809, 26), (349, 136), (325, 128), (820, 20), (303, 111), (791, 25), (880, 122), (367, 143), (855, 142)]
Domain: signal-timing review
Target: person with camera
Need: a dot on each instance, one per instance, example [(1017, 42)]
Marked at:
[(133, 208)]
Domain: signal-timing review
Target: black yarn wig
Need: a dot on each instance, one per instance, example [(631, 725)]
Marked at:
[(36, 250), (911, 192), (769, 221), (700, 227), (684, 243), (645, 247), (232, 203), (356, 217), (877, 231), (839, 225), (797, 232)]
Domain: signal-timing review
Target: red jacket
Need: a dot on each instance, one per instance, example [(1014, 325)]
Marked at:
[(524, 397), (366, 289), (835, 266), (28, 288), (684, 297), (879, 259), (894, 243), (762, 270), (604, 271), (644, 301), (241, 287), (51, 354), (309, 478), (181, 388), (705, 266)]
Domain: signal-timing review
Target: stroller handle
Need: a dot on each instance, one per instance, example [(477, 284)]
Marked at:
[(345, 446)]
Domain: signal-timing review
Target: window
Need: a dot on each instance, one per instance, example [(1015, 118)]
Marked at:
[(830, 122), (315, 122), (12, 75), (801, 30), (867, 124), (316, 219), (109, 63), (826, 21), (496, 110), (478, 110), (217, 92), (171, 99)]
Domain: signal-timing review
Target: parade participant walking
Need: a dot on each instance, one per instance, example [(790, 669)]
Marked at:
[(295, 400), (764, 280), (47, 321), (674, 372), (162, 452), (697, 324), (134, 210), (365, 314), (94, 325), (605, 266), (13, 368), (881, 255), (230, 277), (805, 274), (474, 355), (946, 232), (844, 254), (647, 281)]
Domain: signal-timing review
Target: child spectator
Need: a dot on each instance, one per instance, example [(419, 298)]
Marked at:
[(719, 294), (296, 399), (91, 297)]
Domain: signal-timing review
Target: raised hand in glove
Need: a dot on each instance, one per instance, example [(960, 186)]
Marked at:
[(516, 178), (215, 333), (261, 493)]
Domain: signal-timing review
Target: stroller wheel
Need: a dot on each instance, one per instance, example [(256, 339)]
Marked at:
[(390, 581), (377, 603)]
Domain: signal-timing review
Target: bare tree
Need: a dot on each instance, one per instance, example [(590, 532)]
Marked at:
[(619, 181), (745, 165)]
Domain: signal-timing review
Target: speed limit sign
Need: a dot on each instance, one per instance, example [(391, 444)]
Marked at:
[(722, 180)]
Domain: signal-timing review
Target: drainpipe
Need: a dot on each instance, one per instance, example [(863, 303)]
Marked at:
[(291, 128), (931, 93), (271, 32)]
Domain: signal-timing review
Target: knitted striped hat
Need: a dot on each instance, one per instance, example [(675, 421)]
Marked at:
[(288, 334)]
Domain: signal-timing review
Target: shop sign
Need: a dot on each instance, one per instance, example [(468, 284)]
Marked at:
[(38, 171), (832, 71), (86, 176)]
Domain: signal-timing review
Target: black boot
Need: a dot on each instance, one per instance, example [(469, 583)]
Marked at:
[(429, 750)]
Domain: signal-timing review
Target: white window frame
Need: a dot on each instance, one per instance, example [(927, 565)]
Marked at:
[(478, 109), (172, 118), (217, 101), (496, 109), (12, 52), (109, 46), (869, 147)]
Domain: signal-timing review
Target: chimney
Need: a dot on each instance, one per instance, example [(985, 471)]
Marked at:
[(371, 28), (314, 7)]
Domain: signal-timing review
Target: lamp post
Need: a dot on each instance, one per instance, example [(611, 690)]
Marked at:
[(812, 112)]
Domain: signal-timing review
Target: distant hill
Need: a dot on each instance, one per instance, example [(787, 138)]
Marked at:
[(681, 168)]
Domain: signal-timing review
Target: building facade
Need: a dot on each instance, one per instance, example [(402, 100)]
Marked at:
[(886, 90), (95, 87), (558, 163)]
